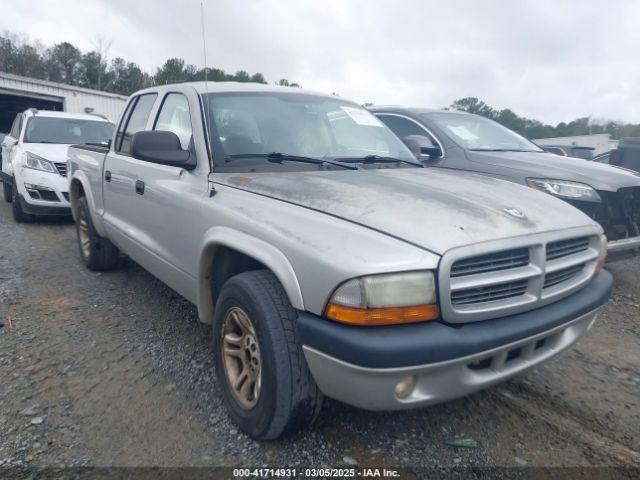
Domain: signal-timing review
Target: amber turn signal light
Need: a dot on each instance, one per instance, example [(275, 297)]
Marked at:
[(382, 316), (603, 256)]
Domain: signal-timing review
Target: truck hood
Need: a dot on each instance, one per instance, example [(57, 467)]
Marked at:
[(435, 210), (53, 152), (546, 165)]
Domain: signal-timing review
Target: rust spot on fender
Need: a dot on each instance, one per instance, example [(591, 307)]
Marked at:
[(238, 179)]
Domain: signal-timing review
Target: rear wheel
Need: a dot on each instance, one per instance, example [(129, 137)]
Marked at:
[(19, 214), (97, 253), (259, 362)]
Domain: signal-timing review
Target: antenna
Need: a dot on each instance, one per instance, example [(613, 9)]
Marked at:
[(205, 106), (204, 44)]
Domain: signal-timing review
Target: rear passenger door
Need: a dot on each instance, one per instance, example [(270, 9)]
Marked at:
[(120, 172)]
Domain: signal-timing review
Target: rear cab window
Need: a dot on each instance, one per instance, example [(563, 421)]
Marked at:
[(174, 116), (134, 120)]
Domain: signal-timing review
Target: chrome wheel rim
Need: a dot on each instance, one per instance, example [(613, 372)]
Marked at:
[(241, 358), (83, 235)]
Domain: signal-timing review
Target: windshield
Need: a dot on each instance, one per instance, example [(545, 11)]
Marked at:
[(67, 131), (478, 133), (250, 126)]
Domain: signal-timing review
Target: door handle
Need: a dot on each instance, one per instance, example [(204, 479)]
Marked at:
[(107, 176), (139, 187)]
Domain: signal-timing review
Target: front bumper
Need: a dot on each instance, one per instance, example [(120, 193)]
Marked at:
[(52, 196), (362, 366)]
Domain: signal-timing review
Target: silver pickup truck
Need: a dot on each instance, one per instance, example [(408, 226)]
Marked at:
[(328, 260)]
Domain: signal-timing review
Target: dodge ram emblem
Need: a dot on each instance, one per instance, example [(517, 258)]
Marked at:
[(514, 212)]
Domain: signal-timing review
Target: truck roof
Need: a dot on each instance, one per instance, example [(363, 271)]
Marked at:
[(230, 87)]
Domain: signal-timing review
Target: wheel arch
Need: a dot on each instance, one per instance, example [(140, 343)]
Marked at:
[(79, 186), (226, 241)]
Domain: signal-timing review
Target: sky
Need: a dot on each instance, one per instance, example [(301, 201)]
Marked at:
[(552, 60)]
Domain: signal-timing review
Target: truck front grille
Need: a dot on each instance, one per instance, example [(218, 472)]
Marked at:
[(563, 248), (491, 262), (495, 281), (490, 293), (554, 278), (62, 168)]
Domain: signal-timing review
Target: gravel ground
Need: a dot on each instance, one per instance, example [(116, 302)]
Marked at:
[(114, 369)]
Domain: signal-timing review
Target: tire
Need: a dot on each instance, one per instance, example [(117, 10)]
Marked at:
[(97, 253), (288, 397), (18, 214), (6, 190)]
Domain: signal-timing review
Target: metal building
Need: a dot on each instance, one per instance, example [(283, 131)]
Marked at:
[(20, 93)]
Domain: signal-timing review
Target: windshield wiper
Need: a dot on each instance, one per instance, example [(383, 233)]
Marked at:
[(277, 157), (379, 159)]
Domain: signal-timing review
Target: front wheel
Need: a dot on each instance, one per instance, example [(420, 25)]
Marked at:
[(19, 214), (259, 362), (97, 253)]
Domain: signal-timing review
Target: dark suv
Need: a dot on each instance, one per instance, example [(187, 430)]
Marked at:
[(463, 141), (627, 155)]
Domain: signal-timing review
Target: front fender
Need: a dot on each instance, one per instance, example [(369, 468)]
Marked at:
[(77, 180), (251, 246)]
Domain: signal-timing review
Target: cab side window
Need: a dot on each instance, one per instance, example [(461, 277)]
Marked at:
[(174, 116), (134, 122), (403, 127)]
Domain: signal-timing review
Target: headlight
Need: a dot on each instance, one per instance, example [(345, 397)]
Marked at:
[(38, 163), (564, 189), (385, 299)]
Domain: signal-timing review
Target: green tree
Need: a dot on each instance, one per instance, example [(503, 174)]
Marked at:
[(242, 76), (94, 69), (126, 77), (64, 63), (258, 78), (474, 105), (171, 72)]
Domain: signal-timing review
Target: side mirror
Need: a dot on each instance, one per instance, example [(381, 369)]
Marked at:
[(431, 151), (421, 146), (157, 146)]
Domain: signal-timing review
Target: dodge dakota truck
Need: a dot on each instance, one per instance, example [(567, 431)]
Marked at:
[(327, 259)]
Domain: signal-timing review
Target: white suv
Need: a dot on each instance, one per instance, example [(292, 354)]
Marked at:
[(34, 159)]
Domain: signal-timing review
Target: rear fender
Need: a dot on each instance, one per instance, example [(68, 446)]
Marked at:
[(80, 179)]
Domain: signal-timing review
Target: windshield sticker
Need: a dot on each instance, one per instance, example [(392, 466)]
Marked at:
[(362, 117), (463, 132)]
